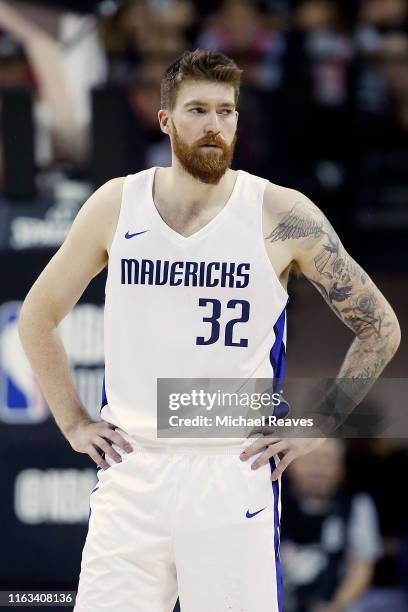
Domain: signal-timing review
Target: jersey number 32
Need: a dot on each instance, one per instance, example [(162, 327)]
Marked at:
[(242, 306)]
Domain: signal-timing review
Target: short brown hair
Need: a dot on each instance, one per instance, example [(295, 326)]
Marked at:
[(198, 65)]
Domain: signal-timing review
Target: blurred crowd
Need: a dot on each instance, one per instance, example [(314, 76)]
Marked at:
[(344, 529), (324, 105)]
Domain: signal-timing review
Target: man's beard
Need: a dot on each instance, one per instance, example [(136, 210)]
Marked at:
[(208, 166)]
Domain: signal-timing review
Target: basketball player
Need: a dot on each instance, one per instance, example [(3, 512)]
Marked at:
[(198, 259)]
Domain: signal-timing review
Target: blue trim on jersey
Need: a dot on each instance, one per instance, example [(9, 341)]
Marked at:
[(93, 490), (276, 536), (278, 362), (278, 352), (277, 358), (104, 398)]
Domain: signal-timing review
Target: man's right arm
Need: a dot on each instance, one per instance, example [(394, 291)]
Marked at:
[(82, 256)]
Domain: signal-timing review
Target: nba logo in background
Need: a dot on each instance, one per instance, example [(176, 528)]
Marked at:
[(21, 399)]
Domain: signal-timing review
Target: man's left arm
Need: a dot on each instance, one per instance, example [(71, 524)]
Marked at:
[(319, 254), (354, 298)]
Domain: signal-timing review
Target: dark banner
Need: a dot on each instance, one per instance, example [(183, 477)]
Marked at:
[(45, 485)]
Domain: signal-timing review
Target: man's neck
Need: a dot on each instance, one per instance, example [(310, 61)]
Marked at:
[(187, 205), (174, 187)]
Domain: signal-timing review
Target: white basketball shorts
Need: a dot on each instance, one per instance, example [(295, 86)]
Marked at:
[(195, 524)]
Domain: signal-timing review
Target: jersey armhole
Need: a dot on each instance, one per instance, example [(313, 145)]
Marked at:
[(120, 215), (118, 225), (283, 291)]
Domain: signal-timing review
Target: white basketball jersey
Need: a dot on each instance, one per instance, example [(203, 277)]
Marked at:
[(206, 306)]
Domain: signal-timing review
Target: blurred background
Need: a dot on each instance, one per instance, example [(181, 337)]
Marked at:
[(323, 109)]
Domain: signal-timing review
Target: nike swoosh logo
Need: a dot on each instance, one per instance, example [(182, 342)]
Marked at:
[(127, 235), (252, 514)]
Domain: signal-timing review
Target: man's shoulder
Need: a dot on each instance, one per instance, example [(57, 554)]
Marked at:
[(275, 196), (289, 218), (107, 199), (280, 200), (113, 187), (99, 214)]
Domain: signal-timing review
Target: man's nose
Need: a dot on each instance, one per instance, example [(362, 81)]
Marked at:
[(212, 125)]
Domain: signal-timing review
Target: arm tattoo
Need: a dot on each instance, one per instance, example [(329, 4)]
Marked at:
[(354, 299), (293, 225)]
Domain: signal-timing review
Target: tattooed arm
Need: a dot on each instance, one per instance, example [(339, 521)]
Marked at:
[(319, 254), (299, 234)]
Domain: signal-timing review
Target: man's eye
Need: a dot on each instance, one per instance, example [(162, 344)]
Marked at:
[(226, 111), (198, 110)]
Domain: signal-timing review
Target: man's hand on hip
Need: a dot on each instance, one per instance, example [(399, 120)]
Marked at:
[(291, 448), (94, 438)]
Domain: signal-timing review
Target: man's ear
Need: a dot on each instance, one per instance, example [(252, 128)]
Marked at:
[(164, 118)]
